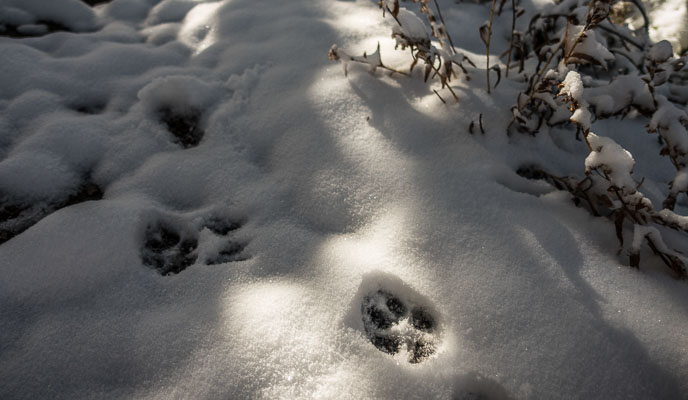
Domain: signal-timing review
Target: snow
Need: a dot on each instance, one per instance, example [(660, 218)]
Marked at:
[(620, 93), (72, 13), (411, 26), (668, 119), (585, 43), (614, 159), (676, 219), (170, 11), (179, 92), (573, 86), (331, 188), (660, 52), (582, 118)]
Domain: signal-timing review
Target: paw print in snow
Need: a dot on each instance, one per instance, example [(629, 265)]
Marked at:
[(168, 250), (393, 325), (223, 247), (184, 125)]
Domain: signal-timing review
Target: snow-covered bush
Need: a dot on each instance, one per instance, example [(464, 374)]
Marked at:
[(410, 33), (578, 61)]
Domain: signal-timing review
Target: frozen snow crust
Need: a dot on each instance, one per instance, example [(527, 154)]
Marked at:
[(197, 204)]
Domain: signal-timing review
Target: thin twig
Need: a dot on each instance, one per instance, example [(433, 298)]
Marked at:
[(641, 8), (489, 34), (438, 95), (511, 42), (439, 13), (542, 71), (621, 35), (437, 71)]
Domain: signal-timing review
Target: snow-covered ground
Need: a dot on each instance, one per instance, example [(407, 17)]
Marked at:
[(145, 136)]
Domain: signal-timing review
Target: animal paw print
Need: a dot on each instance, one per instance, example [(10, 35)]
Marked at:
[(393, 325), (170, 250), (167, 250), (184, 125), (228, 248)]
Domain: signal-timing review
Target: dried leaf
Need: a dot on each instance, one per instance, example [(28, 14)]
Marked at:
[(499, 73), (332, 55), (395, 9), (599, 13), (583, 58), (484, 33)]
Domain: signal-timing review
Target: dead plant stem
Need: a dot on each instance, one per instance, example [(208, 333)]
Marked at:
[(511, 41), (489, 35)]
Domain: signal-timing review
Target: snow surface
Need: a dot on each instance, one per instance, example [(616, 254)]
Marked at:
[(573, 86), (660, 52), (339, 186), (587, 45), (71, 13), (608, 155), (411, 26)]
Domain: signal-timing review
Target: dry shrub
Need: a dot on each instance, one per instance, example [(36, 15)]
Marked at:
[(580, 61)]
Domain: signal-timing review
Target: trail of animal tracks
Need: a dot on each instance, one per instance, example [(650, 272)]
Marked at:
[(196, 203)]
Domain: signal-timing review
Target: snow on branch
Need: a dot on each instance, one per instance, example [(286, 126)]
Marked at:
[(410, 32)]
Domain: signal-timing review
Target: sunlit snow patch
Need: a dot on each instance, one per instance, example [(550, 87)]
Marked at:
[(198, 31), (669, 22)]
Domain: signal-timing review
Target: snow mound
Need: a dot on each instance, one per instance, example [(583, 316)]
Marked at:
[(72, 14)]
